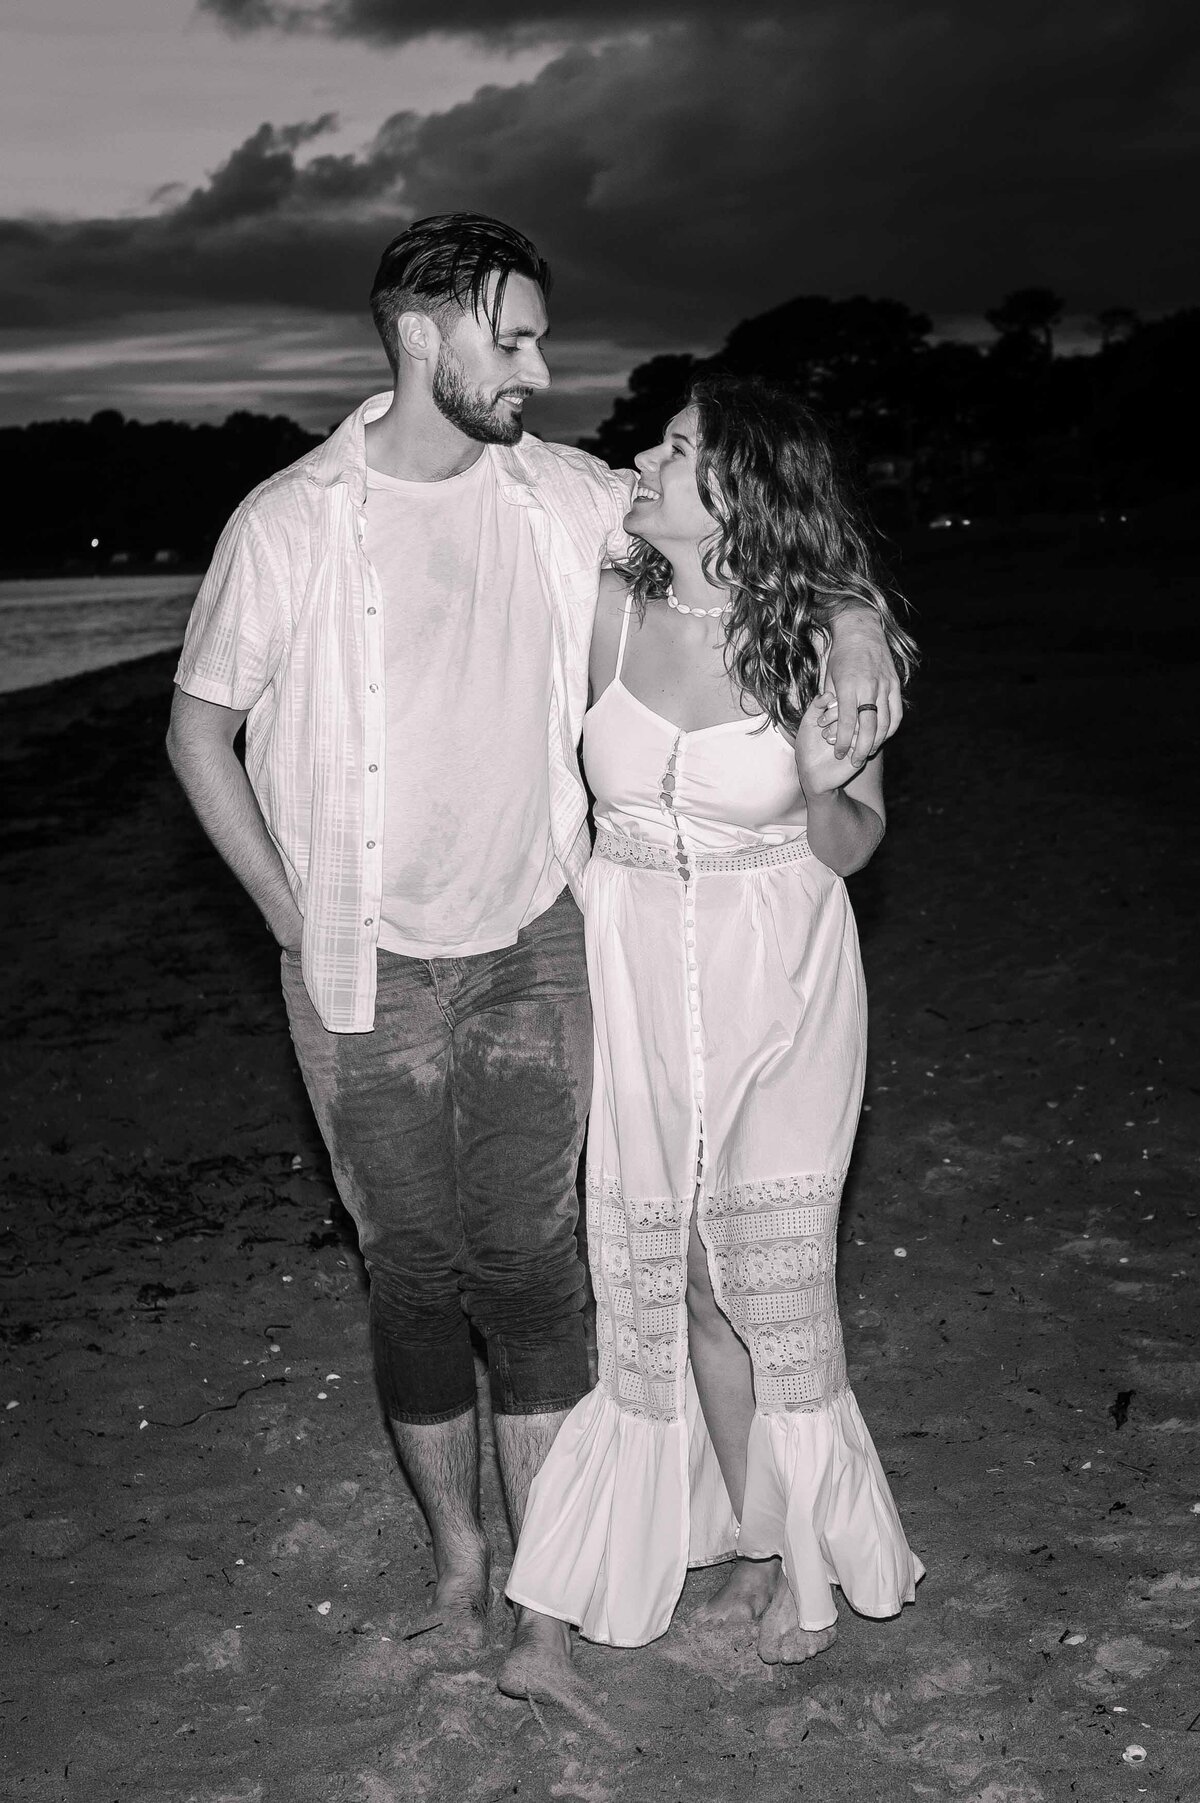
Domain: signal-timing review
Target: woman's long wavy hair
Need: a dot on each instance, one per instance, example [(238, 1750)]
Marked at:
[(789, 545)]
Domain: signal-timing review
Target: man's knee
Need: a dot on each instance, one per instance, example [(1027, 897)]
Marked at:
[(413, 1301), (526, 1295)]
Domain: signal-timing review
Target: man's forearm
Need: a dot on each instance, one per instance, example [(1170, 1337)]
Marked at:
[(215, 783), (863, 676), (847, 617)]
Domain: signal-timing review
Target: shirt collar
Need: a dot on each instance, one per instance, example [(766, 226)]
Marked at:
[(343, 457), (513, 472)]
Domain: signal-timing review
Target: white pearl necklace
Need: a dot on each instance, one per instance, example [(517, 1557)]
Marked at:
[(710, 613)]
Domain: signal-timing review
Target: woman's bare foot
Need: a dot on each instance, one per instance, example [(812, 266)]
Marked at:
[(781, 1639), (744, 1596), (539, 1661), (459, 1603)]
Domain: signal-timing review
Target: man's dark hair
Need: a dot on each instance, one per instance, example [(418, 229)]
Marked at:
[(446, 262)]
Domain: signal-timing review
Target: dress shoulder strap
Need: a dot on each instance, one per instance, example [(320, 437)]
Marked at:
[(624, 635)]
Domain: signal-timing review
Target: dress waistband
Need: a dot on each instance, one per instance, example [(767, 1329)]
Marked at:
[(620, 850)]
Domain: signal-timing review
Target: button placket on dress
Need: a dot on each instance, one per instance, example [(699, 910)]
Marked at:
[(685, 864)]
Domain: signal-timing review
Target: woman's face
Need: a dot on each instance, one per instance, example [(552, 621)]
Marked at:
[(667, 509)]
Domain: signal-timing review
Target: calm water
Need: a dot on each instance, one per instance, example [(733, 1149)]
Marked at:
[(60, 627)]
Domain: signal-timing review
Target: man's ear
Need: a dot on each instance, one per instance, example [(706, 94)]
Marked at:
[(418, 337)]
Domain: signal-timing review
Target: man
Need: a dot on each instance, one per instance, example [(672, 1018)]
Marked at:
[(401, 619)]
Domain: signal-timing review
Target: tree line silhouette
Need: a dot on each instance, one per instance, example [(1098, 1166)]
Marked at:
[(945, 428), (937, 429), (144, 492)]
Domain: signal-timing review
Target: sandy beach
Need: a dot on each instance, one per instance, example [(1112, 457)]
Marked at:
[(213, 1573)]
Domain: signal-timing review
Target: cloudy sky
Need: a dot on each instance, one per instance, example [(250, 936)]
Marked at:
[(194, 193)]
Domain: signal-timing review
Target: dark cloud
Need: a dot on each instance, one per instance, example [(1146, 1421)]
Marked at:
[(495, 21), (265, 227), (258, 178), (691, 174)]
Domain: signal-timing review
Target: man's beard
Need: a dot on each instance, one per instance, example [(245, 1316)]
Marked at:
[(486, 421)]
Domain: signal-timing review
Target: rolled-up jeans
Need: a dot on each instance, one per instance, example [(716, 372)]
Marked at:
[(454, 1129)]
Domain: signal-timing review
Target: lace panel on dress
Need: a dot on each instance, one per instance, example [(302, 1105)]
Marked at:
[(772, 1252), (638, 1253)]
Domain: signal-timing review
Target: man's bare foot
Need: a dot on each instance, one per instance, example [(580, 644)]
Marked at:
[(539, 1661), (743, 1597), (781, 1639), (459, 1603)]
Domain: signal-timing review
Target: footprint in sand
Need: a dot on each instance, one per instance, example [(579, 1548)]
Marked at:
[(307, 1537), (957, 1755), (374, 1789), (987, 1596), (214, 1653), (959, 1679), (1169, 1585), (51, 1536), (224, 1653), (1128, 1657)]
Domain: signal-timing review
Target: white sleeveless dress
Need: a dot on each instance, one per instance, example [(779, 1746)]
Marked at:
[(730, 1032)]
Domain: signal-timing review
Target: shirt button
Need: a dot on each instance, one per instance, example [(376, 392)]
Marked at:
[(369, 921), (374, 688), (370, 610), (372, 767), (370, 844)]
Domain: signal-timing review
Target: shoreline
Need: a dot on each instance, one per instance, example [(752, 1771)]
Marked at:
[(39, 692)]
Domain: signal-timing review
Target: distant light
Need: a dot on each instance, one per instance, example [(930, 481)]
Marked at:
[(95, 544)]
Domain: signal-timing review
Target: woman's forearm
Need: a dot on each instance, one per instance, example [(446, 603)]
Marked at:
[(842, 832)]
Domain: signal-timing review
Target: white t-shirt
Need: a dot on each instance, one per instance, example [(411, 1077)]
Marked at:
[(467, 853)]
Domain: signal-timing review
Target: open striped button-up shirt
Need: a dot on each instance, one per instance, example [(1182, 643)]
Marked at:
[(288, 626)]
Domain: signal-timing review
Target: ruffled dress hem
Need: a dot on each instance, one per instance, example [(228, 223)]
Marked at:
[(817, 1497), (624, 1505)]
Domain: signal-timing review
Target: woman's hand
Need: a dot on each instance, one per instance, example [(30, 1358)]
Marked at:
[(846, 814), (819, 766)]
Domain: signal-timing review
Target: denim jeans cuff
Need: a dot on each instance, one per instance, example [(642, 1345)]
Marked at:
[(411, 1419), (551, 1405)]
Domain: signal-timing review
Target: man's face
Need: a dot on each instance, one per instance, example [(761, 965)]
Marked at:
[(481, 385)]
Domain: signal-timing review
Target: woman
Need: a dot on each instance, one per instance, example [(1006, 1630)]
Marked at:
[(730, 1040)]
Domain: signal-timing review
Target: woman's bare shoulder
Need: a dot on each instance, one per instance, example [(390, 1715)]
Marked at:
[(614, 587), (610, 607), (610, 603)]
